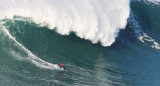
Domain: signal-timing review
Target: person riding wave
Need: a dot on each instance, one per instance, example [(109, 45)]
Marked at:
[(61, 65)]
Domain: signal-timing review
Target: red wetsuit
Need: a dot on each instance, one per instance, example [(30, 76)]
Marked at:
[(61, 65)]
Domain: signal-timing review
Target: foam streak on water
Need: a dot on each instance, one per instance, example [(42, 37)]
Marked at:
[(142, 36), (154, 1), (31, 57), (95, 20)]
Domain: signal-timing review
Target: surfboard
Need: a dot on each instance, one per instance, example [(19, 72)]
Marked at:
[(61, 69)]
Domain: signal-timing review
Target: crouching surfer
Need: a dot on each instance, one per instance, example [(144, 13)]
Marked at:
[(62, 67)]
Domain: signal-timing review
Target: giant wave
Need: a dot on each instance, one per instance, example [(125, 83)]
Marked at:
[(30, 44)]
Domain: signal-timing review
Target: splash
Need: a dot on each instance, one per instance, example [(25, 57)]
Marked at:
[(94, 20)]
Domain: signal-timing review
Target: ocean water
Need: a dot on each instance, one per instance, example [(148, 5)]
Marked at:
[(101, 42)]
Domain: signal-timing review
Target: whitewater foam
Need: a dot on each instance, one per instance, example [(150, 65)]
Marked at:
[(31, 57), (95, 20)]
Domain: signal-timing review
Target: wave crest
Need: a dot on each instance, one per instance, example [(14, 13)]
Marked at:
[(95, 20)]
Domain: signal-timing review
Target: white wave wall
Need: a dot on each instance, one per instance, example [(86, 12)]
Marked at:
[(95, 20)]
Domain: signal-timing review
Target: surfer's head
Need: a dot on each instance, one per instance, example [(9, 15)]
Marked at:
[(61, 64)]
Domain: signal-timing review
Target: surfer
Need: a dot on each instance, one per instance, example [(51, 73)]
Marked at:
[(61, 65)]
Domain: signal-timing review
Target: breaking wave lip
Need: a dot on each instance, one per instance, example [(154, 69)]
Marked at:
[(94, 20), (31, 57)]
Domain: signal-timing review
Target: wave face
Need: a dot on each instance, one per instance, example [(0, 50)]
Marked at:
[(97, 21), (37, 35), (31, 57)]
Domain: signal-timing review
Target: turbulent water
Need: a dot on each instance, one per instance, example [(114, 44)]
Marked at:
[(101, 42)]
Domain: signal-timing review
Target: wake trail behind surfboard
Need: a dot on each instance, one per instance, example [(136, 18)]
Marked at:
[(31, 57)]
